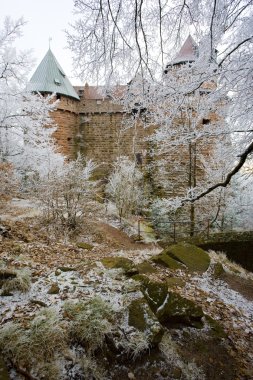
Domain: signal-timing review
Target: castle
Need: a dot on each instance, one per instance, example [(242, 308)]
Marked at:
[(89, 122)]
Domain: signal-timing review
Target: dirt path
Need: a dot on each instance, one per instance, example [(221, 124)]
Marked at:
[(119, 239)]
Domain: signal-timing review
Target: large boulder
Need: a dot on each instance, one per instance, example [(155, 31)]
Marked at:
[(155, 292), (167, 261), (125, 264), (143, 319), (145, 267), (169, 307), (179, 310), (194, 258)]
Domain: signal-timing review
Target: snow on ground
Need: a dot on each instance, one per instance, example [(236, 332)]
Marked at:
[(139, 255), (19, 209), (218, 289)]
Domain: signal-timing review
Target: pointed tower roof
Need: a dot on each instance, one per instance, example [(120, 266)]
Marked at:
[(49, 77), (188, 52)]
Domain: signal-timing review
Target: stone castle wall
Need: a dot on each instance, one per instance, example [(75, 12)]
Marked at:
[(67, 119), (97, 128), (94, 127)]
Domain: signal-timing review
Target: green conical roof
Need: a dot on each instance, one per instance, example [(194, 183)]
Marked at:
[(49, 77)]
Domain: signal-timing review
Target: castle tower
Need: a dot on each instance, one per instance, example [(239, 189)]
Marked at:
[(187, 54), (193, 119), (49, 78)]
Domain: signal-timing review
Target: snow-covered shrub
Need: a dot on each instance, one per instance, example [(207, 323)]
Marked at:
[(91, 320), (125, 187), (21, 282), (25, 142), (164, 212), (47, 335), (14, 343), (136, 344), (65, 191), (35, 347)]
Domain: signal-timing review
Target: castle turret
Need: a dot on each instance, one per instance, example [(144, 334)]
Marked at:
[(187, 54), (49, 78)]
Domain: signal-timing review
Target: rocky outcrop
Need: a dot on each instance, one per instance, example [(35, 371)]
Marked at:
[(143, 319), (178, 310), (169, 307), (167, 261), (120, 262), (191, 257)]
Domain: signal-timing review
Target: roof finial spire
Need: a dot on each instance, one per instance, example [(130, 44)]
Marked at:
[(49, 42)]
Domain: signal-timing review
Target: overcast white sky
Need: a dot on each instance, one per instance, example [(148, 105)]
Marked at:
[(45, 18)]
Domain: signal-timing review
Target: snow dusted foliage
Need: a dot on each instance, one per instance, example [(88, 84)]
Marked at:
[(24, 140), (239, 209), (64, 193), (125, 187), (190, 101)]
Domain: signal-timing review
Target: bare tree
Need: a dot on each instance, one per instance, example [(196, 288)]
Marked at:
[(125, 188), (65, 193), (24, 140), (115, 40)]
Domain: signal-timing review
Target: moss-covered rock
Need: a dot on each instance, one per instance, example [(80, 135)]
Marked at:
[(178, 310), (145, 267), (67, 269), (216, 328), (85, 246), (140, 277), (175, 281), (167, 261), (120, 262), (155, 293), (143, 319), (194, 258), (217, 270), (54, 289)]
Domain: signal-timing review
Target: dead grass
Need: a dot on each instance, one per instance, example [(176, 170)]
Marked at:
[(21, 283), (230, 266), (36, 346), (91, 320)]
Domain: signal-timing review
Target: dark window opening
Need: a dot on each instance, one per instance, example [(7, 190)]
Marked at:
[(206, 121), (204, 91), (58, 96), (138, 109), (69, 138)]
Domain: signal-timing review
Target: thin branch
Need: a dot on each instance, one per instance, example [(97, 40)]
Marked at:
[(233, 50), (243, 158)]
